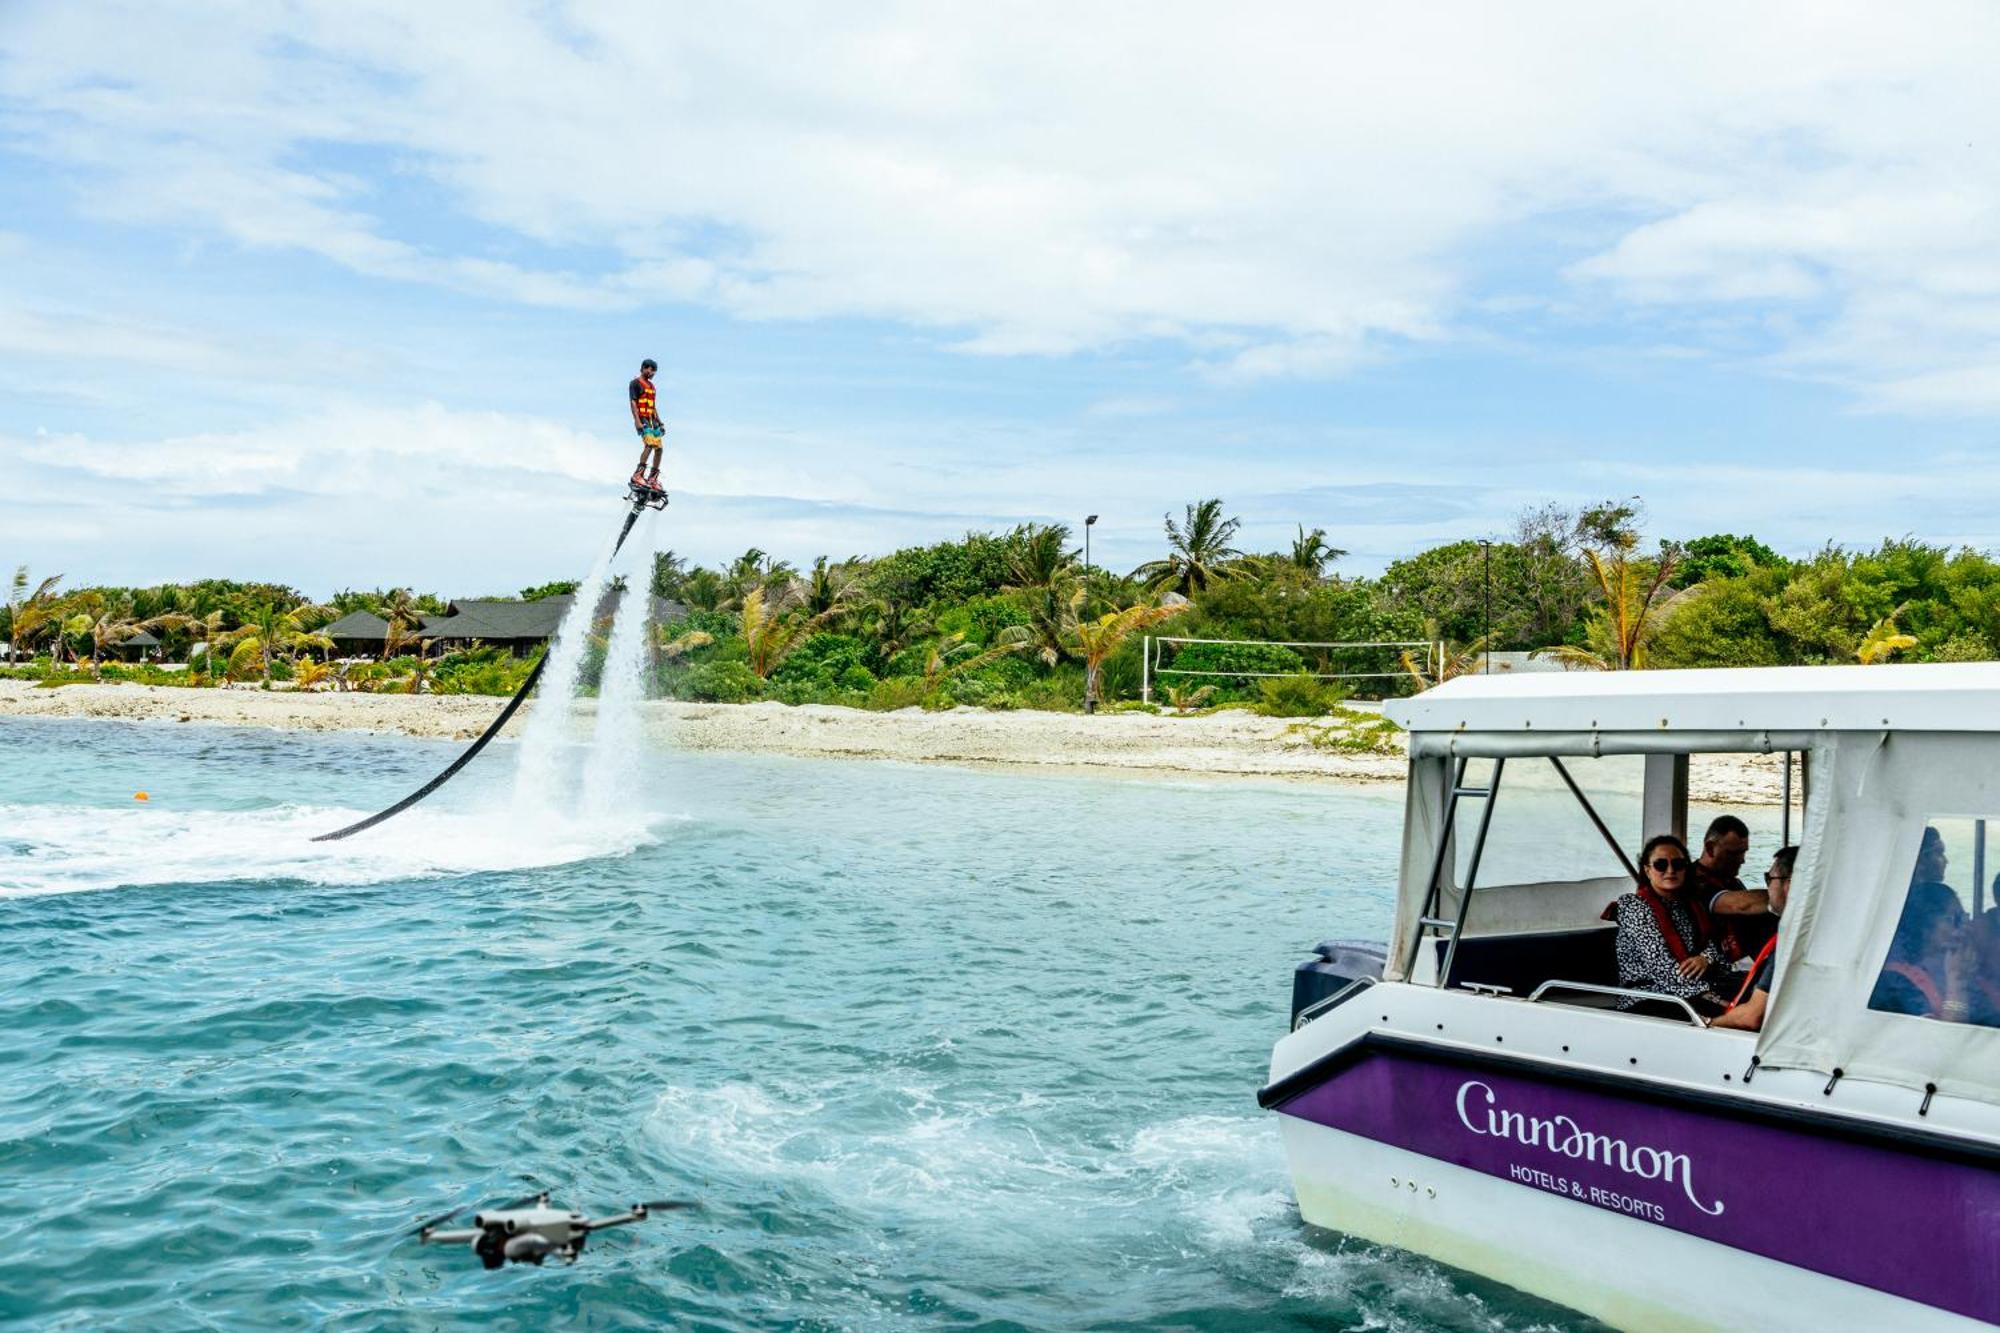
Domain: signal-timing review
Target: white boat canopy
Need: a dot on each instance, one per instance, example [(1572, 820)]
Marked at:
[(1905, 761), (1750, 708)]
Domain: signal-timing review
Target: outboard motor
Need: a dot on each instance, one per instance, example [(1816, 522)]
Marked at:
[(1334, 966)]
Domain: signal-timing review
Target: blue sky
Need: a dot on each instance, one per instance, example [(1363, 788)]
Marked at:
[(346, 294)]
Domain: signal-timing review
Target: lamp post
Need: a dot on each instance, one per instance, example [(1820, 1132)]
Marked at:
[(1486, 619), (1089, 522)]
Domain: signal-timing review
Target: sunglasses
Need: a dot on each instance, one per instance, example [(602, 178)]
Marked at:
[(1666, 863), (1770, 878)]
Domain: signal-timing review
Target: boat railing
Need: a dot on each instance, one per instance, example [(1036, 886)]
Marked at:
[(1623, 993), (1333, 1001)]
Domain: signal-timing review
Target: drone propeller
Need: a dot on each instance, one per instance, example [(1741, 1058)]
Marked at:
[(441, 1218), (435, 1222), (666, 1205)]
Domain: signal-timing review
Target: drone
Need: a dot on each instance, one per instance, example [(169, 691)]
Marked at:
[(529, 1230)]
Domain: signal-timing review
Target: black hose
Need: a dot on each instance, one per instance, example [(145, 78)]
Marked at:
[(513, 706)]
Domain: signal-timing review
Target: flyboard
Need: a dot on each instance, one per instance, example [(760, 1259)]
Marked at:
[(642, 498)]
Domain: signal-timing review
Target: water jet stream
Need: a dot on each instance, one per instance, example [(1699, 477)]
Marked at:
[(485, 737)]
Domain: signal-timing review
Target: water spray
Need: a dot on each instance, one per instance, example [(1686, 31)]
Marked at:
[(641, 500)]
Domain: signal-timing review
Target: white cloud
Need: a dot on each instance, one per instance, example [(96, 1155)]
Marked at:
[(1299, 183)]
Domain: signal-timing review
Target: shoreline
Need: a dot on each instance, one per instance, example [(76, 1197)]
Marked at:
[(1232, 744)]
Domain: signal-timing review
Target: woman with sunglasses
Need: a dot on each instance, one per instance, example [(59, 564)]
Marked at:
[(1666, 943)]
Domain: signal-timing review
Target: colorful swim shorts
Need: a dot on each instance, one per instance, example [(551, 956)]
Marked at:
[(652, 431)]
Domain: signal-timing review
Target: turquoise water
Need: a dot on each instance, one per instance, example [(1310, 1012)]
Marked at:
[(935, 1048)]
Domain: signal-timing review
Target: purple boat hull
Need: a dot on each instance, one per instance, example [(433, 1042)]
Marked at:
[(1914, 1220)]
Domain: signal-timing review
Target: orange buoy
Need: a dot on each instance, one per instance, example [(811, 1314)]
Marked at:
[(140, 796)]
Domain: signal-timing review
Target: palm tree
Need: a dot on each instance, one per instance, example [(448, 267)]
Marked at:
[(951, 655), (1181, 697), (668, 571), (770, 635), (209, 630), (758, 568), (1884, 640), (893, 623), (419, 678), (827, 587), (1044, 573), (1038, 556), (400, 610), (80, 613), (1636, 602), (1312, 553), (114, 627), (1097, 639), (287, 630), (1051, 611), (248, 656), (704, 590), (29, 612), (1454, 661), (1198, 551), (310, 675), (667, 649)]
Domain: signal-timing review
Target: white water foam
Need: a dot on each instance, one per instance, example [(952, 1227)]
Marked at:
[(611, 770), (1214, 1178), (543, 770), (67, 849)]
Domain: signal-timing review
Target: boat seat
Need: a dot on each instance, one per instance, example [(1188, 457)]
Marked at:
[(1522, 962)]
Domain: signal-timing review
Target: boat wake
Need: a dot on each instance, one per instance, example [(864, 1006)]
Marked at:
[(74, 848)]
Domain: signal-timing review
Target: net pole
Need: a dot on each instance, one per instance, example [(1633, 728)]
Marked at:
[(1146, 669)]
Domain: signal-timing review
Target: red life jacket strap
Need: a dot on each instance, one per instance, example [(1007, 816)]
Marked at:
[(1744, 992), (1922, 980)]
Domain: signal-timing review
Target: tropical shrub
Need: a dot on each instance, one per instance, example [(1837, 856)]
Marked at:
[(1724, 556), (482, 670), (983, 618), (1224, 658), (890, 695), (722, 683), (1296, 696), (946, 572), (822, 660)]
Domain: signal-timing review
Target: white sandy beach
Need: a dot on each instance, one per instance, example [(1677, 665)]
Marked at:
[(1228, 744)]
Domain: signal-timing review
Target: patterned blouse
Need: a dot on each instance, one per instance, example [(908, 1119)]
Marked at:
[(1644, 960)]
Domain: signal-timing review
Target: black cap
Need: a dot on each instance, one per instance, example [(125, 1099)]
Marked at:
[(649, 364)]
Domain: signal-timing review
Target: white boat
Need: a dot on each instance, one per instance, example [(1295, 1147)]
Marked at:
[(1486, 1093)]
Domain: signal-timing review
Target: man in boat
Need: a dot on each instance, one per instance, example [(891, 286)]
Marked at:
[(645, 403), (1746, 1011), (1742, 915)]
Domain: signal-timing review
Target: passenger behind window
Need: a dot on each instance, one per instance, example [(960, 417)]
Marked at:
[(1742, 916), (1746, 1011), (1666, 943), (1983, 955), (1923, 975)]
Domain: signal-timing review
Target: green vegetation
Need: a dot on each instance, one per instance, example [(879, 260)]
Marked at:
[(1013, 620)]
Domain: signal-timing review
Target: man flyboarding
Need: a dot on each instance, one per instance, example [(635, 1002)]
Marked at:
[(646, 420)]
